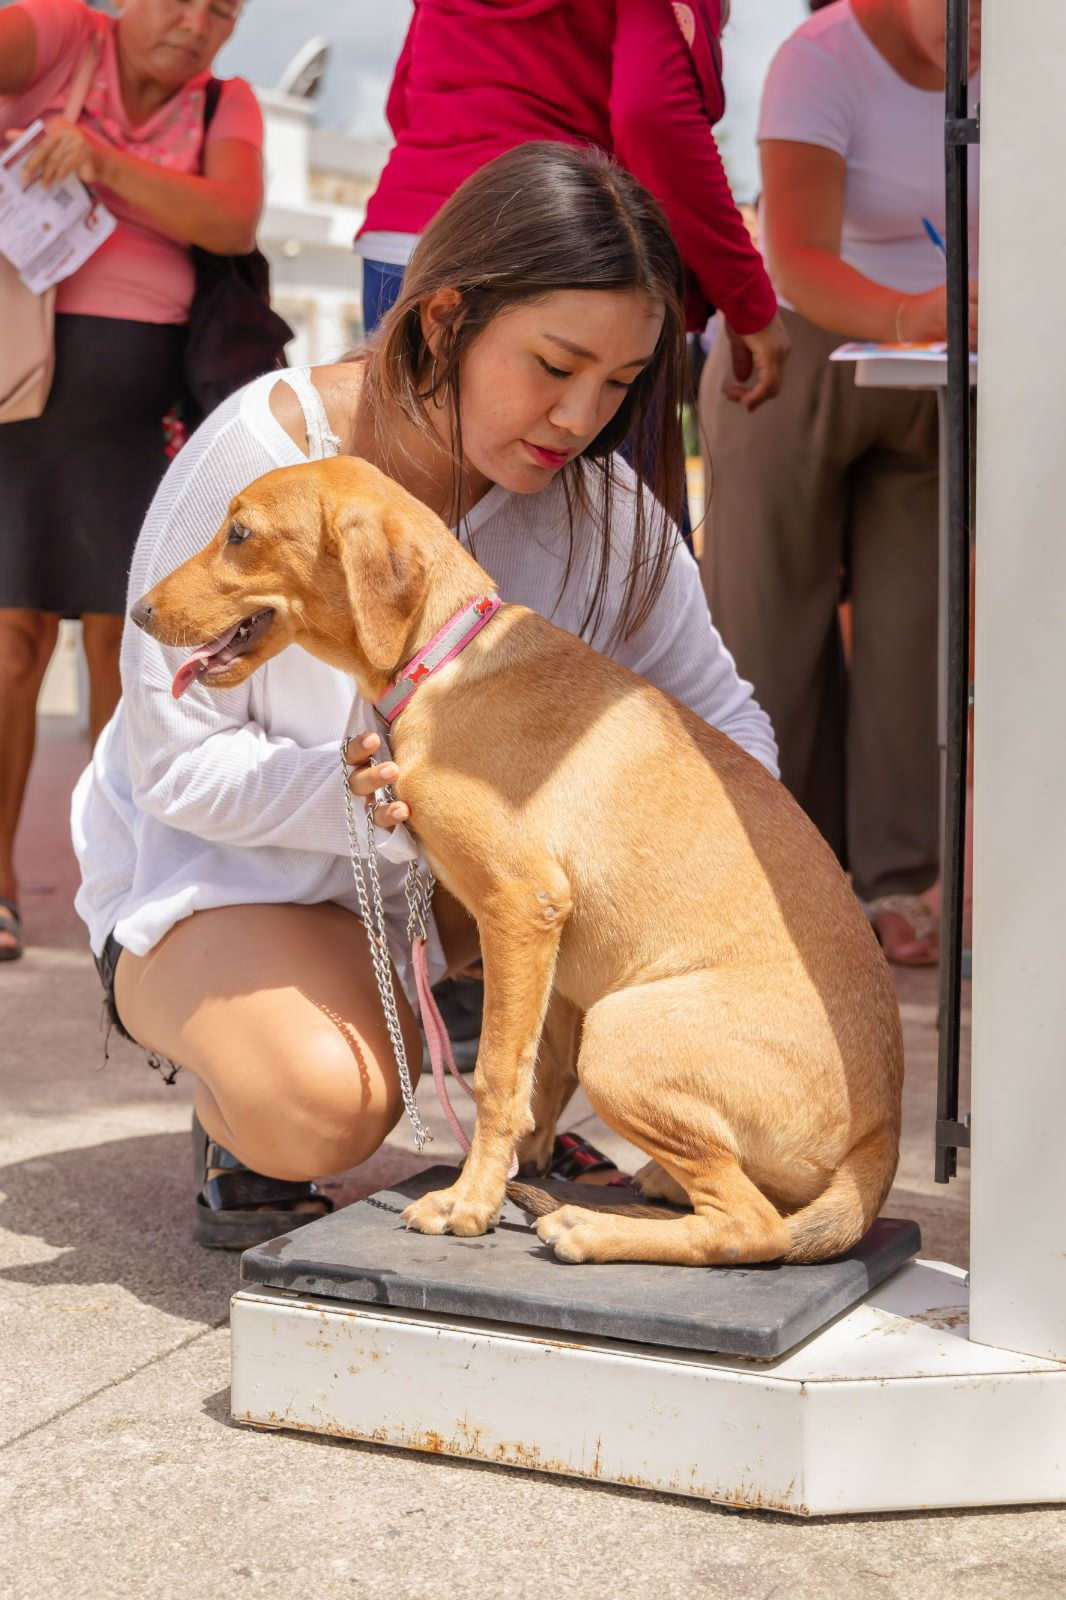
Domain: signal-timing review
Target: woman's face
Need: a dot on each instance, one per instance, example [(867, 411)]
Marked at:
[(926, 20), (543, 379), (171, 41)]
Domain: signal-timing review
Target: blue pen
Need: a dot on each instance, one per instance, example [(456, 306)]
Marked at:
[(935, 237)]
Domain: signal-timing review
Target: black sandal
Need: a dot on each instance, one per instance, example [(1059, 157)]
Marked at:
[(573, 1158), (10, 922), (230, 1207)]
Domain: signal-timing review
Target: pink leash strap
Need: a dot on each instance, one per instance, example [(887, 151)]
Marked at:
[(440, 1049), (440, 1046)]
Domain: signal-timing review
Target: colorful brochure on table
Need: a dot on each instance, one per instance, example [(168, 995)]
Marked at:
[(860, 350)]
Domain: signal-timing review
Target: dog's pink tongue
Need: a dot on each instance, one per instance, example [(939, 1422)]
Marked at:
[(190, 670), (196, 665)]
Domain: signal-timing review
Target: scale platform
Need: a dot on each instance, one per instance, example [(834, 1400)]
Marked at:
[(848, 1387), (364, 1254)]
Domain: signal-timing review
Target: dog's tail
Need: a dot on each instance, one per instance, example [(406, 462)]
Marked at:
[(536, 1201), (848, 1204)]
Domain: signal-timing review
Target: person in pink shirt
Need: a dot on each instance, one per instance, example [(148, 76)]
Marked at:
[(76, 481), (639, 79)]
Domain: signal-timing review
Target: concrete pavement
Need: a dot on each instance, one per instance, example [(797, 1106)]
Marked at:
[(122, 1474)]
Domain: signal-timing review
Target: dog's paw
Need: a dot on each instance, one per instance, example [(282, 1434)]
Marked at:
[(571, 1231), (655, 1183), (448, 1211)]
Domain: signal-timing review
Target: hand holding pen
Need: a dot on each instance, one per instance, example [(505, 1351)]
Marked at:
[(920, 312)]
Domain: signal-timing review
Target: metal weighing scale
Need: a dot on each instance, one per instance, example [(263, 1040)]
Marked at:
[(798, 1388), (879, 1382)]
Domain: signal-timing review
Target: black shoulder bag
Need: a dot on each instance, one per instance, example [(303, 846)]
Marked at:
[(233, 335)]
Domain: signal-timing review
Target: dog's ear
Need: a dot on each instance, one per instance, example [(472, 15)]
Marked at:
[(386, 572)]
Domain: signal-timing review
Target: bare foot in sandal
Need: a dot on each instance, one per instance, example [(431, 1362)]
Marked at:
[(907, 929), (10, 931), (236, 1208)]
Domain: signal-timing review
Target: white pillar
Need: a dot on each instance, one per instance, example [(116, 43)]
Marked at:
[(1018, 1257)]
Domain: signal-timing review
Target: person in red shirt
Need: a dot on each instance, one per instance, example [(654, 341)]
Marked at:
[(639, 79)]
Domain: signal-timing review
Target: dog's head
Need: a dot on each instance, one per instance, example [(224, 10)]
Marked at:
[(331, 555)]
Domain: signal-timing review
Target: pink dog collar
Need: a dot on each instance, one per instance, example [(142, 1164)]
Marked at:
[(455, 635)]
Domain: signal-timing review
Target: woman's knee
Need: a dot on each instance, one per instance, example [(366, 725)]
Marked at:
[(290, 1041), (27, 639), (324, 1108)]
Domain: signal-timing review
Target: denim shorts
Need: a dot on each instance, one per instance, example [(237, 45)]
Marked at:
[(106, 962)]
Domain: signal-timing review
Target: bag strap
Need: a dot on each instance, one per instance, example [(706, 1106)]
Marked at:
[(83, 76), (212, 95)]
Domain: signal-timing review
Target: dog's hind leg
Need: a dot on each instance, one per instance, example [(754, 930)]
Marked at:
[(655, 1183), (732, 1223), (520, 923), (657, 1072)]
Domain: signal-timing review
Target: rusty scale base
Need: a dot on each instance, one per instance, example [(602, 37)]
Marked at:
[(847, 1388)]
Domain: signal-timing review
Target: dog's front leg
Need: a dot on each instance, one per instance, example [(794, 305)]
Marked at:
[(554, 1081), (520, 929)]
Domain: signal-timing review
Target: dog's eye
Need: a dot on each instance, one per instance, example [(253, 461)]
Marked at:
[(238, 533)]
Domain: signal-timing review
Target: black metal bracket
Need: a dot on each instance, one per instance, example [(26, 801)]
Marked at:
[(951, 1135), (960, 131)]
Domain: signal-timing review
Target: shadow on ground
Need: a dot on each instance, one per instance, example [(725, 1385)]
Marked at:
[(119, 1213)]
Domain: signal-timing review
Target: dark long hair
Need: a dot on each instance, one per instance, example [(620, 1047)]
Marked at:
[(539, 219)]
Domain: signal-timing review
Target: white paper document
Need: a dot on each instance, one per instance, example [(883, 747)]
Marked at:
[(46, 234)]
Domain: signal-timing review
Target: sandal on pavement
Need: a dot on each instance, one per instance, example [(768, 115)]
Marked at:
[(236, 1208), (11, 923), (906, 928), (573, 1159)]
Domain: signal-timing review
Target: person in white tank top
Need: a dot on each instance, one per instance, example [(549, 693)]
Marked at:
[(210, 829)]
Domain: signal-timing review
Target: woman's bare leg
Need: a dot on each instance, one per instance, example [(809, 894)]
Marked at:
[(27, 639), (275, 1011), (101, 637)]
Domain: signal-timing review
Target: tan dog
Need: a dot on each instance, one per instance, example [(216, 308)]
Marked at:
[(739, 1023)]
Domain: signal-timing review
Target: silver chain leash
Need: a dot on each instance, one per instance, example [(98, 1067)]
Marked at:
[(418, 888)]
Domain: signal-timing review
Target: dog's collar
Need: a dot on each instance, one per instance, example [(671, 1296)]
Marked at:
[(455, 635)]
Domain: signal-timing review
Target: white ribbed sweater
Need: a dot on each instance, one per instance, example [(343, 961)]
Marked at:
[(235, 796)]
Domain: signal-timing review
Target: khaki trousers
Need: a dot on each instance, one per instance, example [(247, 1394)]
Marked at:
[(826, 491)]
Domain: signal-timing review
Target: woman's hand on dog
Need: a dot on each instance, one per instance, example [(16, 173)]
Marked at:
[(364, 779)]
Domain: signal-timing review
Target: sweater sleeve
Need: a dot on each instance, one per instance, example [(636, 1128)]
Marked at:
[(205, 763), (661, 125), (679, 650), (396, 103)]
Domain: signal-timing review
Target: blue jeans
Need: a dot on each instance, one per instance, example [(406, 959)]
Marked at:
[(381, 285)]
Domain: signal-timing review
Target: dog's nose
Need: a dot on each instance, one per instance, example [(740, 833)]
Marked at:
[(141, 614)]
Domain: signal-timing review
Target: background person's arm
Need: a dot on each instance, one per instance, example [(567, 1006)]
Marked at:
[(661, 122), (18, 50), (217, 210), (802, 211)]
